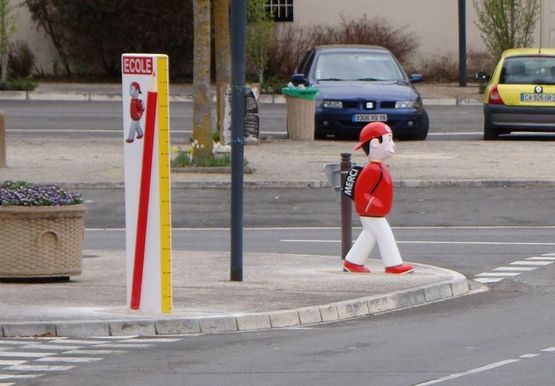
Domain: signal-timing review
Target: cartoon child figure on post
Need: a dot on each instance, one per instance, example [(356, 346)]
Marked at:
[(373, 196), (136, 110)]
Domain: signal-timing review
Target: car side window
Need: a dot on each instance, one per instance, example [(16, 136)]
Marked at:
[(308, 63), (301, 68)]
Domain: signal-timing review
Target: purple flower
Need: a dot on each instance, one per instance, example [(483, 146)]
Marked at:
[(22, 194)]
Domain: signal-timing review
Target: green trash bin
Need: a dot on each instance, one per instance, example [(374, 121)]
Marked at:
[(300, 112)]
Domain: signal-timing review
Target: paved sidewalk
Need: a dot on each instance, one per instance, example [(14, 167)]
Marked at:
[(278, 290)]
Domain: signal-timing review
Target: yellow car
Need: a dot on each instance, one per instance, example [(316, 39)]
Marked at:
[(520, 95)]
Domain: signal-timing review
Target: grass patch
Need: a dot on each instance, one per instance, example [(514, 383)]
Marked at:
[(18, 84)]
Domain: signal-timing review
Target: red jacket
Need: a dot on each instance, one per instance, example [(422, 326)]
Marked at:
[(136, 109), (374, 191)]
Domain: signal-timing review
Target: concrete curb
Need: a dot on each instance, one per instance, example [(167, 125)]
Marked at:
[(316, 184), (93, 96), (456, 286)]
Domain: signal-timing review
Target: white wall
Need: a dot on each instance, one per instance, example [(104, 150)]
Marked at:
[(37, 41), (434, 22)]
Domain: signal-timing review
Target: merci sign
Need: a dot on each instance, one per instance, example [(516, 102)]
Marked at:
[(137, 65)]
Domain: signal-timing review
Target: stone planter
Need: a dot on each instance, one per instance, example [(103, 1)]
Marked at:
[(41, 241)]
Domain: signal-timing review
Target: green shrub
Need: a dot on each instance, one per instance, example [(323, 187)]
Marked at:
[(21, 60), (90, 36), (18, 84)]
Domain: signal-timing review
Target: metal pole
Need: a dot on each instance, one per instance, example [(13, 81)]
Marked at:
[(238, 38), (462, 43), (2, 141), (346, 209)]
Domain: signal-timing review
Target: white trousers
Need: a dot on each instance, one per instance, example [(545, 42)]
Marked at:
[(375, 229), (134, 129)]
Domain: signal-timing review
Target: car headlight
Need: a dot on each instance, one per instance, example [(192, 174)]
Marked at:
[(407, 105), (331, 104)]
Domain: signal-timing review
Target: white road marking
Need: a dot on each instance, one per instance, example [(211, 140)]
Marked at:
[(94, 352), (39, 368), (111, 338), (6, 384), (13, 342), (515, 268), (153, 340), (46, 346), (25, 354), (19, 376), (124, 345), (470, 372), (498, 274), (74, 341), (69, 359), (521, 262), (11, 363), (263, 229), (453, 133), (486, 280), (549, 349), (422, 242), (541, 258), (548, 254), (529, 355)]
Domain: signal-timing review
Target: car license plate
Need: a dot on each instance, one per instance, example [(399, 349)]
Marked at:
[(537, 97), (369, 117)]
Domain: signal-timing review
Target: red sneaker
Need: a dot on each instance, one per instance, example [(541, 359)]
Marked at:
[(139, 136), (400, 269), (129, 140), (355, 268)]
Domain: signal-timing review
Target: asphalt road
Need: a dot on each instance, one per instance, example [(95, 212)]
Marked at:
[(499, 337), (105, 119), (280, 207)]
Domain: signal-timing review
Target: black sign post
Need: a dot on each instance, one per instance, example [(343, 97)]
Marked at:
[(462, 42), (238, 38)]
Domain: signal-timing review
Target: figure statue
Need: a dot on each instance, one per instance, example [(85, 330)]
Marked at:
[(373, 196), (136, 110)]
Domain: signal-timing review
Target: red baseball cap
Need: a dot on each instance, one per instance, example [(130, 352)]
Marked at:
[(371, 131), (137, 86)]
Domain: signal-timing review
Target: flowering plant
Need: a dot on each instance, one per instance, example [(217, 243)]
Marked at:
[(19, 193), (184, 158)]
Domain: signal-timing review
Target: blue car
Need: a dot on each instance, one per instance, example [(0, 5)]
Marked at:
[(359, 84)]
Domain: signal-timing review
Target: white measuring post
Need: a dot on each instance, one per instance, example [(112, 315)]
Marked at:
[(146, 144)]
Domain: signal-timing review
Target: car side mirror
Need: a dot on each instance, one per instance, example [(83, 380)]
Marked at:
[(482, 76), (297, 79), (415, 78)]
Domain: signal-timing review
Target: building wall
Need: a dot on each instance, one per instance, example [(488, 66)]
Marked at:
[(434, 22), (37, 40), (548, 24)]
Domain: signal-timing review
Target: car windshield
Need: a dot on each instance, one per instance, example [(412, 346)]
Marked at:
[(339, 66), (528, 70)]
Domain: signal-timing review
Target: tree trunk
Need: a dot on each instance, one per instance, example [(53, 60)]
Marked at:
[(202, 115), (223, 58), (4, 30), (4, 64)]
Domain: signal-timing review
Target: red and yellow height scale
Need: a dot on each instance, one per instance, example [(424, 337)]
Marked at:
[(147, 181)]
